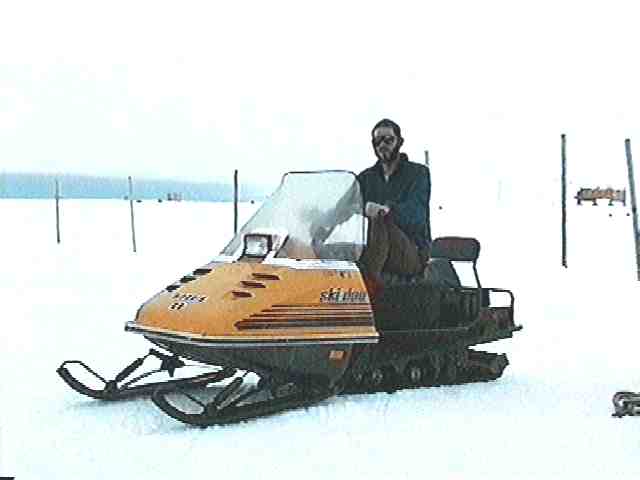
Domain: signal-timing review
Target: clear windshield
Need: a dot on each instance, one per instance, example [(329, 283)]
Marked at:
[(320, 212)]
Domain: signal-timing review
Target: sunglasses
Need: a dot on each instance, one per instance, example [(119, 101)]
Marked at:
[(387, 139)]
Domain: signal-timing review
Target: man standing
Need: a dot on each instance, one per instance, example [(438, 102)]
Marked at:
[(396, 193)]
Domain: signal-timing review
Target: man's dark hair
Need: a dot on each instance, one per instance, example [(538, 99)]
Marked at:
[(385, 122)]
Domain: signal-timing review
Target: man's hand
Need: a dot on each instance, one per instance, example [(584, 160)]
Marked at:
[(320, 234), (375, 210)]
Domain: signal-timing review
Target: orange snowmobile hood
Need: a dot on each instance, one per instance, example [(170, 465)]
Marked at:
[(258, 301)]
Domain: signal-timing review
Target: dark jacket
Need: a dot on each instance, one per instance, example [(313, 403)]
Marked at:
[(407, 193)]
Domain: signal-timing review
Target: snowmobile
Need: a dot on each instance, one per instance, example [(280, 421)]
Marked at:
[(284, 320)]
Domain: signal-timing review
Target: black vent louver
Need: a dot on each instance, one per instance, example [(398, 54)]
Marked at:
[(265, 276), (201, 271), (198, 272), (252, 284)]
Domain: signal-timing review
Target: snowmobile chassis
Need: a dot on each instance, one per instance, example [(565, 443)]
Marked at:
[(235, 402), (399, 361)]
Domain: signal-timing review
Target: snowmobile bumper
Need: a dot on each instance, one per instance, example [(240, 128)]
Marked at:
[(246, 341)]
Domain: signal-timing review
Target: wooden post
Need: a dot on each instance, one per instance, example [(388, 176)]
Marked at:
[(133, 224), (57, 210), (564, 200), (634, 206), (235, 202)]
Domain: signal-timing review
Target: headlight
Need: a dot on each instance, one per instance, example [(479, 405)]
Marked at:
[(257, 245)]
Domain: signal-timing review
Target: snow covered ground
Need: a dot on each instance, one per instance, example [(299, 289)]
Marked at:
[(549, 416)]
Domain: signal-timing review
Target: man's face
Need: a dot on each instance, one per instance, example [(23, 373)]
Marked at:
[(385, 144)]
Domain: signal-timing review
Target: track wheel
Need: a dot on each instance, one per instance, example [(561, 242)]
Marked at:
[(414, 373), (383, 379), (376, 377), (358, 380)]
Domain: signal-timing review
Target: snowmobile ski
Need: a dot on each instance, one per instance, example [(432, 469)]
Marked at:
[(232, 404), (120, 388)]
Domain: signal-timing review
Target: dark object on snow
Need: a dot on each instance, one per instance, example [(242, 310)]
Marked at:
[(626, 403)]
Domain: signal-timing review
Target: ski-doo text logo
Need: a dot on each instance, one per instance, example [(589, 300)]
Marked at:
[(183, 300), (337, 295)]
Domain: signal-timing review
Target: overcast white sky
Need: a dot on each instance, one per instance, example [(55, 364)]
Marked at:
[(192, 90)]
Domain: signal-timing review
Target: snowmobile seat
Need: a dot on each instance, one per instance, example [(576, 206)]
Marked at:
[(439, 270), (419, 298), (461, 249), (457, 249)]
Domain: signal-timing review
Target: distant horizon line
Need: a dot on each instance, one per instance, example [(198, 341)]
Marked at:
[(116, 177), (43, 185)]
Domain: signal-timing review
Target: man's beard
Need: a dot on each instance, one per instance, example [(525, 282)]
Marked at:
[(389, 156)]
